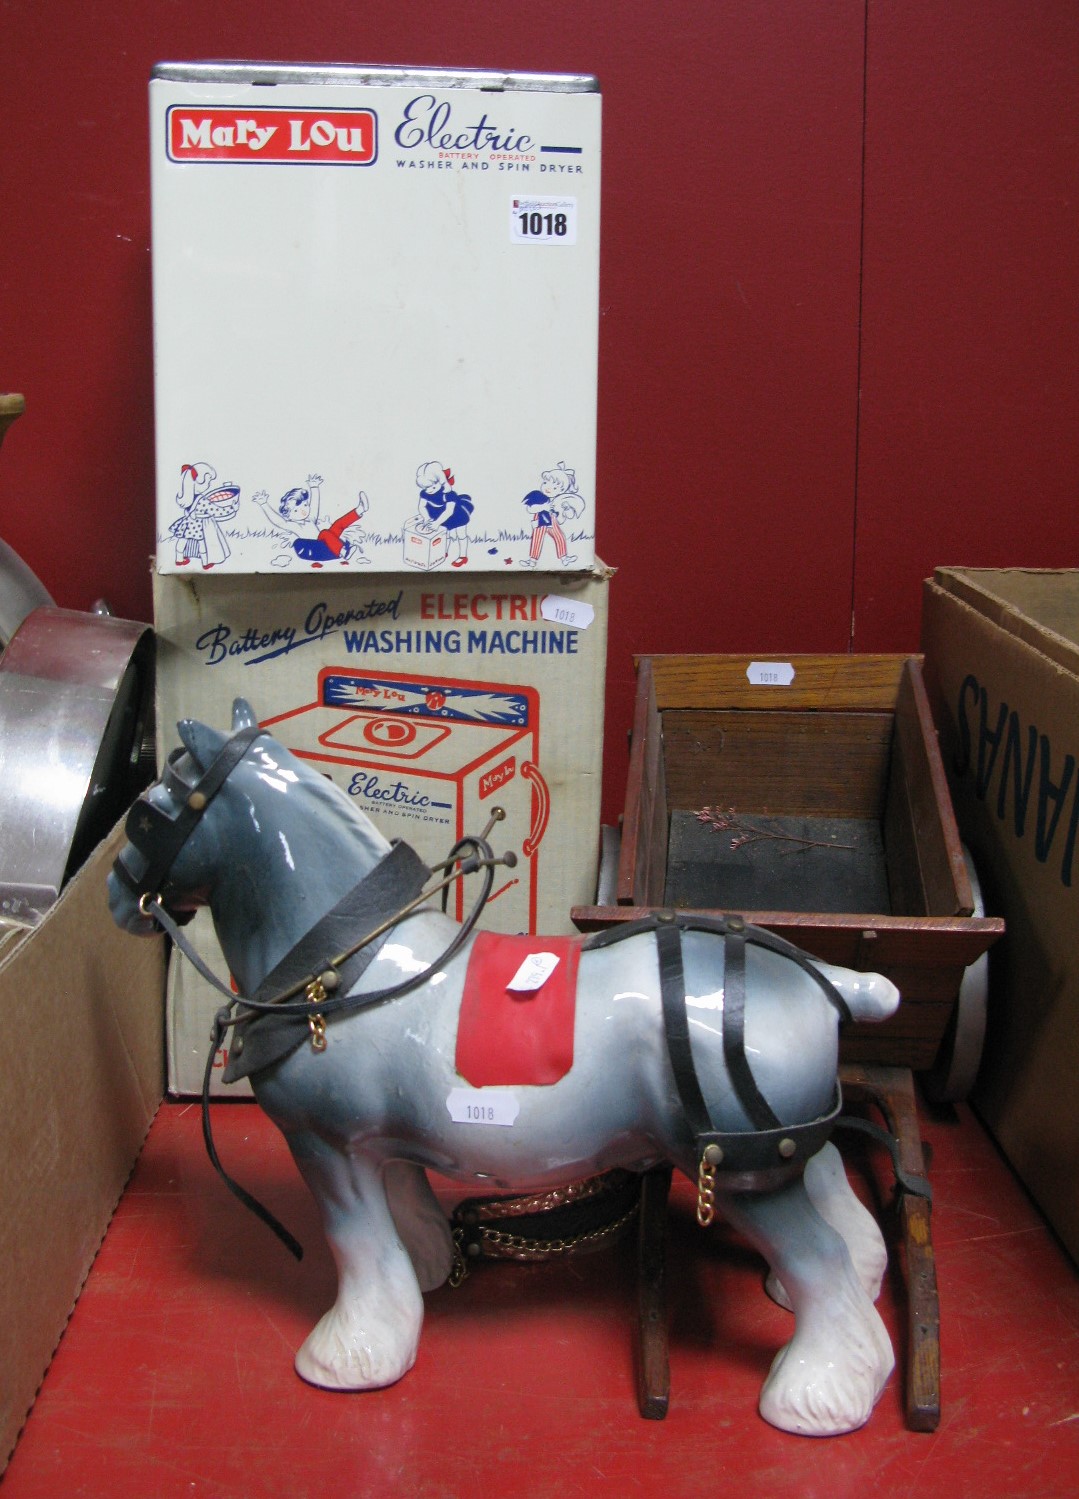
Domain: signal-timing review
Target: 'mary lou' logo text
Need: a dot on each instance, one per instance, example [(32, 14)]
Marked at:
[(323, 137)]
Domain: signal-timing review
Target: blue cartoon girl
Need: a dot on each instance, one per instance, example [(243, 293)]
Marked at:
[(442, 507), (554, 502)]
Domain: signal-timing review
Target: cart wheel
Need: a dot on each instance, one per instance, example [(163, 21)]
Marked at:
[(952, 1075)]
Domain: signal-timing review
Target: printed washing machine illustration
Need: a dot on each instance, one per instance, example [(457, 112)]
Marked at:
[(428, 758)]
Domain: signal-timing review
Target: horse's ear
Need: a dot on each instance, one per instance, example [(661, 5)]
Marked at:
[(243, 715), (202, 743)]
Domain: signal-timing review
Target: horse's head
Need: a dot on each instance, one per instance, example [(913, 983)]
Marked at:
[(232, 813), (157, 861)]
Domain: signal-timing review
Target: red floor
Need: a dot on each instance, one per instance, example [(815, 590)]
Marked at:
[(175, 1379)]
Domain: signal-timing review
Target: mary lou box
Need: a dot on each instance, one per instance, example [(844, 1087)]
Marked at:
[(376, 302), (1002, 669), (430, 701)]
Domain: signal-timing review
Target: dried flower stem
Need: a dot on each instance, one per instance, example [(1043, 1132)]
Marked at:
[(746, 833)]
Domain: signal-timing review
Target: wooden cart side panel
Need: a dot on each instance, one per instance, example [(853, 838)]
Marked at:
[(933, 777), (906, 889), (659, 834), (780, 762), (842, 683), (862, 942), (642, 864), (875, 1044), (926, 871)]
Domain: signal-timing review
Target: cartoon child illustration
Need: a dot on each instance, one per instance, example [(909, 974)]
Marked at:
[(198, 532), (556, 501), (299, 511), (442, 508)]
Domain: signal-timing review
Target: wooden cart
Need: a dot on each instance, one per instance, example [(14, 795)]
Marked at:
[(817, 781)]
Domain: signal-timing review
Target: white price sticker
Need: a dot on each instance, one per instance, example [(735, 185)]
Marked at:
[(770, 673), (543, 221), (483, 1106), (573, 612), (533, 972)]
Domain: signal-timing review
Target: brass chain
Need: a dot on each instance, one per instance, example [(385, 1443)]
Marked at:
[(543, 1202), (706, 1192), (315, 994), (517, 1246), (459, 1268)]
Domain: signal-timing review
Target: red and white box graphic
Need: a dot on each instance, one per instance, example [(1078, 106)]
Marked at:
[(435, 750)]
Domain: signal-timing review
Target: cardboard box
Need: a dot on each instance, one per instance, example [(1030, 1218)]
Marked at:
[(376, 297), (1002, 669), (81, 1076), (837, 831), (429, 701)]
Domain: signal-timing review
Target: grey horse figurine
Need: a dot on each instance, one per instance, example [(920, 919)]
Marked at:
[(362, 1086)]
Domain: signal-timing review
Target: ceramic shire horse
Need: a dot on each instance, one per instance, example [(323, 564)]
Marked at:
[(363, 1095)]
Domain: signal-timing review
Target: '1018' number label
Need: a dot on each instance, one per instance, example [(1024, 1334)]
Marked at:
[(497, 1106), (543, 221)]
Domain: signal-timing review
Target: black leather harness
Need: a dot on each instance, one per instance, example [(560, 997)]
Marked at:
[(262, 1036), (772, 1152)]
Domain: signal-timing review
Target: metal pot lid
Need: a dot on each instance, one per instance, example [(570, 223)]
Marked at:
[(76, 717)]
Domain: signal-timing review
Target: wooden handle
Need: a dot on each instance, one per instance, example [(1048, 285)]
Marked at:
[(10, 407)]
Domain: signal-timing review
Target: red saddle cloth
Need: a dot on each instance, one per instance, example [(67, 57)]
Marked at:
[(505, 1037)]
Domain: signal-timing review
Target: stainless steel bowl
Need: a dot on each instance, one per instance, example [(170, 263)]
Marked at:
[(76, 720)]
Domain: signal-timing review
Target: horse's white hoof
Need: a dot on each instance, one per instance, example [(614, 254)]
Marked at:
[(336, 1357), (828, 1388)]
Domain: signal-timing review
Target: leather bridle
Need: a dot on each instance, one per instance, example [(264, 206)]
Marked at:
[(158, 836)]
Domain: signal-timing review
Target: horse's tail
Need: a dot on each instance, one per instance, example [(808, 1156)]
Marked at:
[(869, 996)]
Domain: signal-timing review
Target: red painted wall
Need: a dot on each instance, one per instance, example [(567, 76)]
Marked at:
[(839, 288), (969, 430)]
